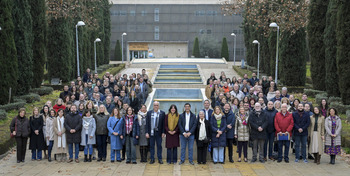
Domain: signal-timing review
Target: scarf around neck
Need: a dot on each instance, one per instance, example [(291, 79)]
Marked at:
[(218, 116), (140, 116), (202, 131), (172, 121)]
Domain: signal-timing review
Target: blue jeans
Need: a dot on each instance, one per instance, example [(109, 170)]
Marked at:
[(49, 149), (218, 154), (70, 148), (269, 141), (302, 140), (130, 149), (36, 154), (184, 142), (286, 145), (113, 152), (101, 141), (171, 155), (88, 147), (157, 138)]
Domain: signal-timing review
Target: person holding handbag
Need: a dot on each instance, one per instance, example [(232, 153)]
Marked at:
[(20, 130), (115, 131), (203, 135)]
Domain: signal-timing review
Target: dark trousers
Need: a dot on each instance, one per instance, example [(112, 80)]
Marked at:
[(123, 151), (202, 154), (156, 139), (171, 156), (269, 141), (286, 145), (101, 141), (49, 149), (242, 145), (230, 148), (21, 147)]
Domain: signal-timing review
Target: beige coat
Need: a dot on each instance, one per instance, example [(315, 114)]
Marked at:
[(242, 131), (320, 132), (49, 128), (328, 127), (208, 91), (55, 149)]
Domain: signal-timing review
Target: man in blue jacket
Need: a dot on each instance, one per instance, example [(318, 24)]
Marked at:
[(155, 130), (230, 126), (301, 123), (187, 126)]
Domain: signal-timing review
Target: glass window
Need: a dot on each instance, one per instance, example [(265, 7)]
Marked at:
[(132, 12), (156, 32), (144, 13), (209, 31), (122, 13), (156, 14), (201, 31)]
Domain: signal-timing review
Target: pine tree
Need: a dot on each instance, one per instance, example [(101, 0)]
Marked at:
[(8, 54), (106, 41), (39, 42), (195, 51), (224, 49), (315, 29), (330, 43), (22, 21), (272, 50), (118, 52), (343, 52)]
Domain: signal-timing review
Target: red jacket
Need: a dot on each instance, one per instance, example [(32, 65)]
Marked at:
[(284, 123)]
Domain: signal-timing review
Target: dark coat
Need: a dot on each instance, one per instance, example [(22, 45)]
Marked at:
[(253, 81), (171, 140), (110, 107), (230, 120), (135, 104), (22, 128), (64, 94), (160, 123), (101, 124), (256, 121), (135, 129), (37, 142), (192, 125), (221, 141), (270, 114), (210, 112), (73, 121), (302, 122), (208, 132)]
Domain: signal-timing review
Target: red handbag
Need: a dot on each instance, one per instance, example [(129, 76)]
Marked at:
[(13, 136)]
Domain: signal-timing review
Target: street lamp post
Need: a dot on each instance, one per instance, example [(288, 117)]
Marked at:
[(257, 42), (274, 25), (123, 46), (234, 49), (97, 40), (80, 23)]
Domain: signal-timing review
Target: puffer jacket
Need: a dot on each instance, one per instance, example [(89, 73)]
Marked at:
[(242, 131)]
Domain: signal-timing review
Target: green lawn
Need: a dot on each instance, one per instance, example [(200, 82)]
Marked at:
[(241, 71)]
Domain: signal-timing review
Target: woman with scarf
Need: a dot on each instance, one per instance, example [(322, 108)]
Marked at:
[(37, 142), (50, 132), (172, 134), (316, 134), (45, 112), (333, 131), (203, 135), (101, 118), (143, 141), (115, 126), (242, 133), (131, 133), (88, 137), (218, 138), (60, 144)]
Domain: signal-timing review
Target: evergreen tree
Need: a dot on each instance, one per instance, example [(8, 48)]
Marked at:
[(106, 41), (8, 54), (195, 51), (315, 29), (272, 50), (224, 49), (330, 43), (264, 55), (118, 52), (39, 41), (24, 39), (343, 52)]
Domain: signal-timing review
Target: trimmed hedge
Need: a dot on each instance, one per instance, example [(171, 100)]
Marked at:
[(312, 92), (334, 99), (13, 106), (30, 98), (340, 107), (3, 114), (321, 96), (116, 70), (42, 90)]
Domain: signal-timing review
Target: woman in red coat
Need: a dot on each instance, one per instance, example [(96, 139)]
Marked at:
[(172, 134)]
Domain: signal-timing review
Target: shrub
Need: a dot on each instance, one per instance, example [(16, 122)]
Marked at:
[(30, 98), (13, 106), (116, 70), (321, 96), (334, 99), (339, 107), (348, 115), (3, 114), (42, 90), (312, 92)]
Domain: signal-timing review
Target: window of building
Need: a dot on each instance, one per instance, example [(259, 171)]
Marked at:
[(201, 31), (115, 13), (156, 32), (143, 13), (209, 31), (156, 14), (132, 12), (122, 13)]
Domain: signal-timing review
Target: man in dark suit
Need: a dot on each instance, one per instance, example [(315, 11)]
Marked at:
[(155, 130), (187, 126), (207, 111)]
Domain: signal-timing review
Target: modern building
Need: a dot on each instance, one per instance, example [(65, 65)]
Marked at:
[(167, 28)]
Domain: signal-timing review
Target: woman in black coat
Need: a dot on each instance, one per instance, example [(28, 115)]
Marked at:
[(134, 101), (20, 129), (37, 141), (202, 137)]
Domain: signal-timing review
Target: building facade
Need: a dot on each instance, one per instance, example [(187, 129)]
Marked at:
[(168, 28)]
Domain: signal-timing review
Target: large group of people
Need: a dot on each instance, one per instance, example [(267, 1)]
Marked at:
[(91, 113)]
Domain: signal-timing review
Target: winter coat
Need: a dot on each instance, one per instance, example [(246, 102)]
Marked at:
[(118, 124), (230, 120), (284, 123), (55, 149), (171, 141), (328, 128), (207, 130), (242, 131), (90, 132), (256, 121), (110, 107), (73, 121), (320, 132), (101, 124), (221, 141), (37, 142), (160, 123), (134, 104), (192, 123), (270, 115), (302, 122), (135, 129), (21, 126), (143, 141), (49, 128)]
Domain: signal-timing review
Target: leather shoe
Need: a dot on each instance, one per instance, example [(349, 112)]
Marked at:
[(231, 161), (191, 162), (152, 161), (181, 162), (160, 161)]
